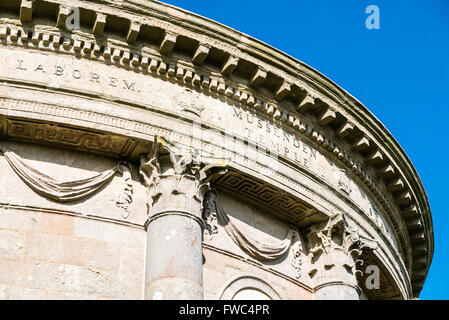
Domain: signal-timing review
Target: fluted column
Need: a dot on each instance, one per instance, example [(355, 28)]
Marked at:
[(176, 182), (334, 251)]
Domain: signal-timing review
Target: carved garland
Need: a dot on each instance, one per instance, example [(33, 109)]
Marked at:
[(70, 191), (214, 214)]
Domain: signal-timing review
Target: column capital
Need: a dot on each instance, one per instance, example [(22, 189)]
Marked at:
[(177, 178), (334, 251)]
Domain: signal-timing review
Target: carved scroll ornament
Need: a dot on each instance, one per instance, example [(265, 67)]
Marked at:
[(70, 191), (214, 214)]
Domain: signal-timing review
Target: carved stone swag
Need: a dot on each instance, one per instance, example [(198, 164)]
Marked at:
[(73, 190), (215, 215)]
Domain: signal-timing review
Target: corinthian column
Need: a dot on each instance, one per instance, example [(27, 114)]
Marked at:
[(334, 256), (176, 182)]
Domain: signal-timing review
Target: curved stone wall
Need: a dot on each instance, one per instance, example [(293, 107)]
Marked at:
[(126, 139)]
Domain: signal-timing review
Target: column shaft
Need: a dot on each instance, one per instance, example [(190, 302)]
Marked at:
[(174, 257)]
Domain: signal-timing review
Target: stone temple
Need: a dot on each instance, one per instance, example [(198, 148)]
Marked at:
[(150, 153)]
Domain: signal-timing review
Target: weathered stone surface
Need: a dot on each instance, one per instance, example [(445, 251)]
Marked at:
[(107, 232), (14, 272), (11, 244), (43, 262), (4, 292)]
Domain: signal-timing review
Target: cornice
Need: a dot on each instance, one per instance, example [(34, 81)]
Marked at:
[(223, 62)]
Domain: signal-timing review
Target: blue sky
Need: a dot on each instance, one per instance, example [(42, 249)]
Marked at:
[(400, 72)]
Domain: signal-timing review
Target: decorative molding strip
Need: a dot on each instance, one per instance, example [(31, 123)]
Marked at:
[(52, 134), (12, 206)]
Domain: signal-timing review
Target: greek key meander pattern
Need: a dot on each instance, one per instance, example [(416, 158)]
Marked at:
[(51, 134)]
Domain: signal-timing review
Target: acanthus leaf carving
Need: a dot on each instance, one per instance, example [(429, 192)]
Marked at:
[(150, 171), (177, 178), (125, 198)]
